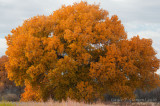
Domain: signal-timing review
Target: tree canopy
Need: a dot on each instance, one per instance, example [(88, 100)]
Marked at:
[(79, 52)]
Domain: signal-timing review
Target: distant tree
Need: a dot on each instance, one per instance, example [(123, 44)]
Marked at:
[(80, 53), (3, 74), (152, 96), (7, 87)]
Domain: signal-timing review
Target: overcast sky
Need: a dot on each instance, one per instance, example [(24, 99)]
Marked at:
[(140, 17)]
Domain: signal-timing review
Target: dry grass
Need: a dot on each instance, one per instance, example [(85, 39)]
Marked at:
[(53, 103), (73, 103), (50, 103)]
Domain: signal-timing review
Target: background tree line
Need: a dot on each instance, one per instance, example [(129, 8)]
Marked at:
[(8, 90)]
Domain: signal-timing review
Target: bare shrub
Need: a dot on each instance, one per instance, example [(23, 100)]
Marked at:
[(10, 97)]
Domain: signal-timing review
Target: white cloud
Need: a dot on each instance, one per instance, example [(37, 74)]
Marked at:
[(2, 51), (3, 46), (3, 43), (68, 2)]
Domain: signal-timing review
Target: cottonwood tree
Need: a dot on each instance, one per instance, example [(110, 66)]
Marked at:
[(81, 53)]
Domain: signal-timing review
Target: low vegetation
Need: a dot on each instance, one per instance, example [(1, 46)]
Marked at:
[(73, 103)]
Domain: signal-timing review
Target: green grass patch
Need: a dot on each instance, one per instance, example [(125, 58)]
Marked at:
[(7, 104)]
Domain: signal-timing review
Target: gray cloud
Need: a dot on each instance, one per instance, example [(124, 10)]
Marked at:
[(2, 51), (14, 12), (134, 10)]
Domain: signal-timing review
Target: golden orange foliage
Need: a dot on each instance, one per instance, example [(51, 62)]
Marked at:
[(81, 53), (30, 94)]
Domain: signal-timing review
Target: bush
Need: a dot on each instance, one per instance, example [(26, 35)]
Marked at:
[(10, 97)]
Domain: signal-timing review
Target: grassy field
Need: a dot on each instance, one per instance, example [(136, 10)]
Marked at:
[(72, 103)]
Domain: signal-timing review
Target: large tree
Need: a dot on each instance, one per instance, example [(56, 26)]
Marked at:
[(81, 53)]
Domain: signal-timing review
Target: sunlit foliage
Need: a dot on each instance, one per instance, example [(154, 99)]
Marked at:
[(81, 53)]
